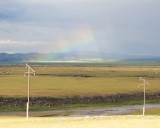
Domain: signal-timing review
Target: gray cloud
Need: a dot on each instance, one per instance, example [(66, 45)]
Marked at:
[(126, 26)]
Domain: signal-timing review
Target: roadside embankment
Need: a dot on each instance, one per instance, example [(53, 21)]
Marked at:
[(7, 102)]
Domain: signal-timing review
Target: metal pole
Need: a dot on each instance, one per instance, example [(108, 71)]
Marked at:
[(144, 96), (28, 93), (145, 83), (28, 88), (30, 70), (27, 112), (28, 84)]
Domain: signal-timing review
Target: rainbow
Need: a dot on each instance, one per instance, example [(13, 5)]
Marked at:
[(85, 39)]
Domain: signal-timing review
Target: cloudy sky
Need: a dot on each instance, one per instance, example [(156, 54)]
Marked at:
[(112, 26)]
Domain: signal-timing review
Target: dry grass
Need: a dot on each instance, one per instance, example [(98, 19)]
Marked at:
[(151, 111), (82, 122), (105, 80)]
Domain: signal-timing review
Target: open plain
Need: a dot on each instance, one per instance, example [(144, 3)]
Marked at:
[(71, 80), (60, 81)]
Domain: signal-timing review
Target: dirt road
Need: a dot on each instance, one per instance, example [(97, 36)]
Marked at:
[(105, 111)]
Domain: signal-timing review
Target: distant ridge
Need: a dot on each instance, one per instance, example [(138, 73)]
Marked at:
[(23, 57), (18, 57)]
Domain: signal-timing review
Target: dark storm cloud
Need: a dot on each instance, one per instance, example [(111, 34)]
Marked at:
[(121, 26)]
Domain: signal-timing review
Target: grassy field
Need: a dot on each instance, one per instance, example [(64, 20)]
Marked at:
[(79, 122), (70, 80), (151, 111), (79, 106)]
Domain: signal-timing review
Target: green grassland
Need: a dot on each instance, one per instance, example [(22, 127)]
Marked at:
[(81, 122), (70, 80), (80, 106), (151, 111)]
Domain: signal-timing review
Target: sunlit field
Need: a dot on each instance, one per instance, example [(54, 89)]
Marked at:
[(151, 111), (57, 81), (82, 122)]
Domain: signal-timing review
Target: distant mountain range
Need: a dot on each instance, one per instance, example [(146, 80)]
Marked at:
[(23, 57)]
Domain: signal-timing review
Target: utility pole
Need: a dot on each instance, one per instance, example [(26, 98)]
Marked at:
[(144, 84), (30, 70)]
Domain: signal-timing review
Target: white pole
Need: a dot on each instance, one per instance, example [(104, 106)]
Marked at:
[(144, 84), (144, 96), (30, 70), (28, 93), (27, 112)]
